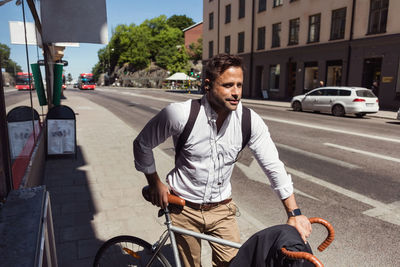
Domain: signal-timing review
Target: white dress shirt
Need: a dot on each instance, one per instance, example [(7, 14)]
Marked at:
[(203, 169)]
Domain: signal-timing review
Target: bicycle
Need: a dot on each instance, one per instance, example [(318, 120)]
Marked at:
[(132, 251)]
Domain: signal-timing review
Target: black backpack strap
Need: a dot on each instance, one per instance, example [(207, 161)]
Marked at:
[(246, 126), (194, 111)]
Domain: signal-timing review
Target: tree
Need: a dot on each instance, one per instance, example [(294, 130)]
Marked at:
[(155, 40), (180, 21), (196, 50), (69, 78), (9, 65)]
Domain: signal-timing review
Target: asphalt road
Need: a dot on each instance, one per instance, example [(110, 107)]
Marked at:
[(346, 170)]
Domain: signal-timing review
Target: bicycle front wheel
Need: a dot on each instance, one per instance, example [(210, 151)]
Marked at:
[(127, 251)]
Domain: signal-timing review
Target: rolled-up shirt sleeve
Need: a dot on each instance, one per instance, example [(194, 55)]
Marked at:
[(266, 154), (169, 121)]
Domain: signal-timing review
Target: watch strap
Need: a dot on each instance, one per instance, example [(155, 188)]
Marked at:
[(293, 213)]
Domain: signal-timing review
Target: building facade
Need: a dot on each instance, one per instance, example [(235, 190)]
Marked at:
[(192, 34), (290, 46)]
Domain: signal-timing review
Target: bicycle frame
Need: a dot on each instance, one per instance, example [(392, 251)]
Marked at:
[(174, 229)]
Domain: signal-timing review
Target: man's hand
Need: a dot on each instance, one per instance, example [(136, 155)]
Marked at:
[(158, 191), (302, 224)]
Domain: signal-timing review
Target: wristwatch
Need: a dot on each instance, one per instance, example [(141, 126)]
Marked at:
[(293, 213)]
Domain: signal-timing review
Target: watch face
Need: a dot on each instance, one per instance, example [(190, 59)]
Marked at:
[(295, 212)]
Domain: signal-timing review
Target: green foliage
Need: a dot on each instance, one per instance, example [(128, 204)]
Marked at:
[(196, 50), (9, 65), (180, 21), (155, 40)]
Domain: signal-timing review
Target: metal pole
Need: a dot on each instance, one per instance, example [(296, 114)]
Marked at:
[(29, 74), (5, 149)]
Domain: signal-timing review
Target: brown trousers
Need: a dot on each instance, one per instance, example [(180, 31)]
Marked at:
[(218, 222)]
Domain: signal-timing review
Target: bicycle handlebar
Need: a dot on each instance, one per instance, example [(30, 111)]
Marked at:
[(172, 199), (310, 257)]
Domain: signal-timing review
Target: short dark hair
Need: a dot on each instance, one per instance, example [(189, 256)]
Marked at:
[(220, 63)]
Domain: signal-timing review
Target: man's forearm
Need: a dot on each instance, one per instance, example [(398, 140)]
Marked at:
[(152, 178), (290, 203)]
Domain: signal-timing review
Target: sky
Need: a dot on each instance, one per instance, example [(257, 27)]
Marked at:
[(82, 59)]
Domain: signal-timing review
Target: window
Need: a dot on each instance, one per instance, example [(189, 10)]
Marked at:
[(313, 28), (262, 5), (210, 49), (338, 23), (344, 92), (330, 92), (317, 93), (227, 44), (241, 8), (276, 32), (274, 74), (261, 38), (227, 13), (310, 76), (211, 21), (240, 42), (277, 3), (294, 26), (334, 73), (378, 16)]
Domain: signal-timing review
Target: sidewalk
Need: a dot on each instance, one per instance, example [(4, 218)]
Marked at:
[(97, 196)]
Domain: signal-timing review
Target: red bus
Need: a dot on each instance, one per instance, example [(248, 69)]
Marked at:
[(22, 81), (86, 81)]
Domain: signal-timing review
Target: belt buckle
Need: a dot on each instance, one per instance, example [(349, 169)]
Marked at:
[(207, 206)]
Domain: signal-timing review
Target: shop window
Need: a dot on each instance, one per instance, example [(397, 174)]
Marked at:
[(310, 76), (378, 16), (274, 75), (338, 23), (276, 35), (313, 28), (240, 42), (334, 73), (294, 27)]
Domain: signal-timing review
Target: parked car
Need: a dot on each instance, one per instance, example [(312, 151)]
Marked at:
[(398, 114), (338, 101)]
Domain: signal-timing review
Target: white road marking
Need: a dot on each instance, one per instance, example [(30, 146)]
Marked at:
[(317, 156), (380, 210), (363, 152), (380, 138)]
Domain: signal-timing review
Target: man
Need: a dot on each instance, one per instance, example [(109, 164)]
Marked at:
[(205, 163)]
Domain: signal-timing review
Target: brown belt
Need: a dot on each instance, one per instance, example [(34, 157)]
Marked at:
[(206, 206)]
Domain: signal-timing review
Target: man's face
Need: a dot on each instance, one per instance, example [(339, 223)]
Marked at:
[(226, 92)]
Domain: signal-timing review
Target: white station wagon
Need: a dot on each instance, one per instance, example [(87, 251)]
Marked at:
[(338, 101)]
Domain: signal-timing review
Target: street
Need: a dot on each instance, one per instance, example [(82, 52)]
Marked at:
[(344, 169)]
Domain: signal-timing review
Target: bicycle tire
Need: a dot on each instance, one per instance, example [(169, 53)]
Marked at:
[(112, 253)]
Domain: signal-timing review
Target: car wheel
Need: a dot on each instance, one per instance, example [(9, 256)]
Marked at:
[(296, 106), (360, 115), (338, 110)]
